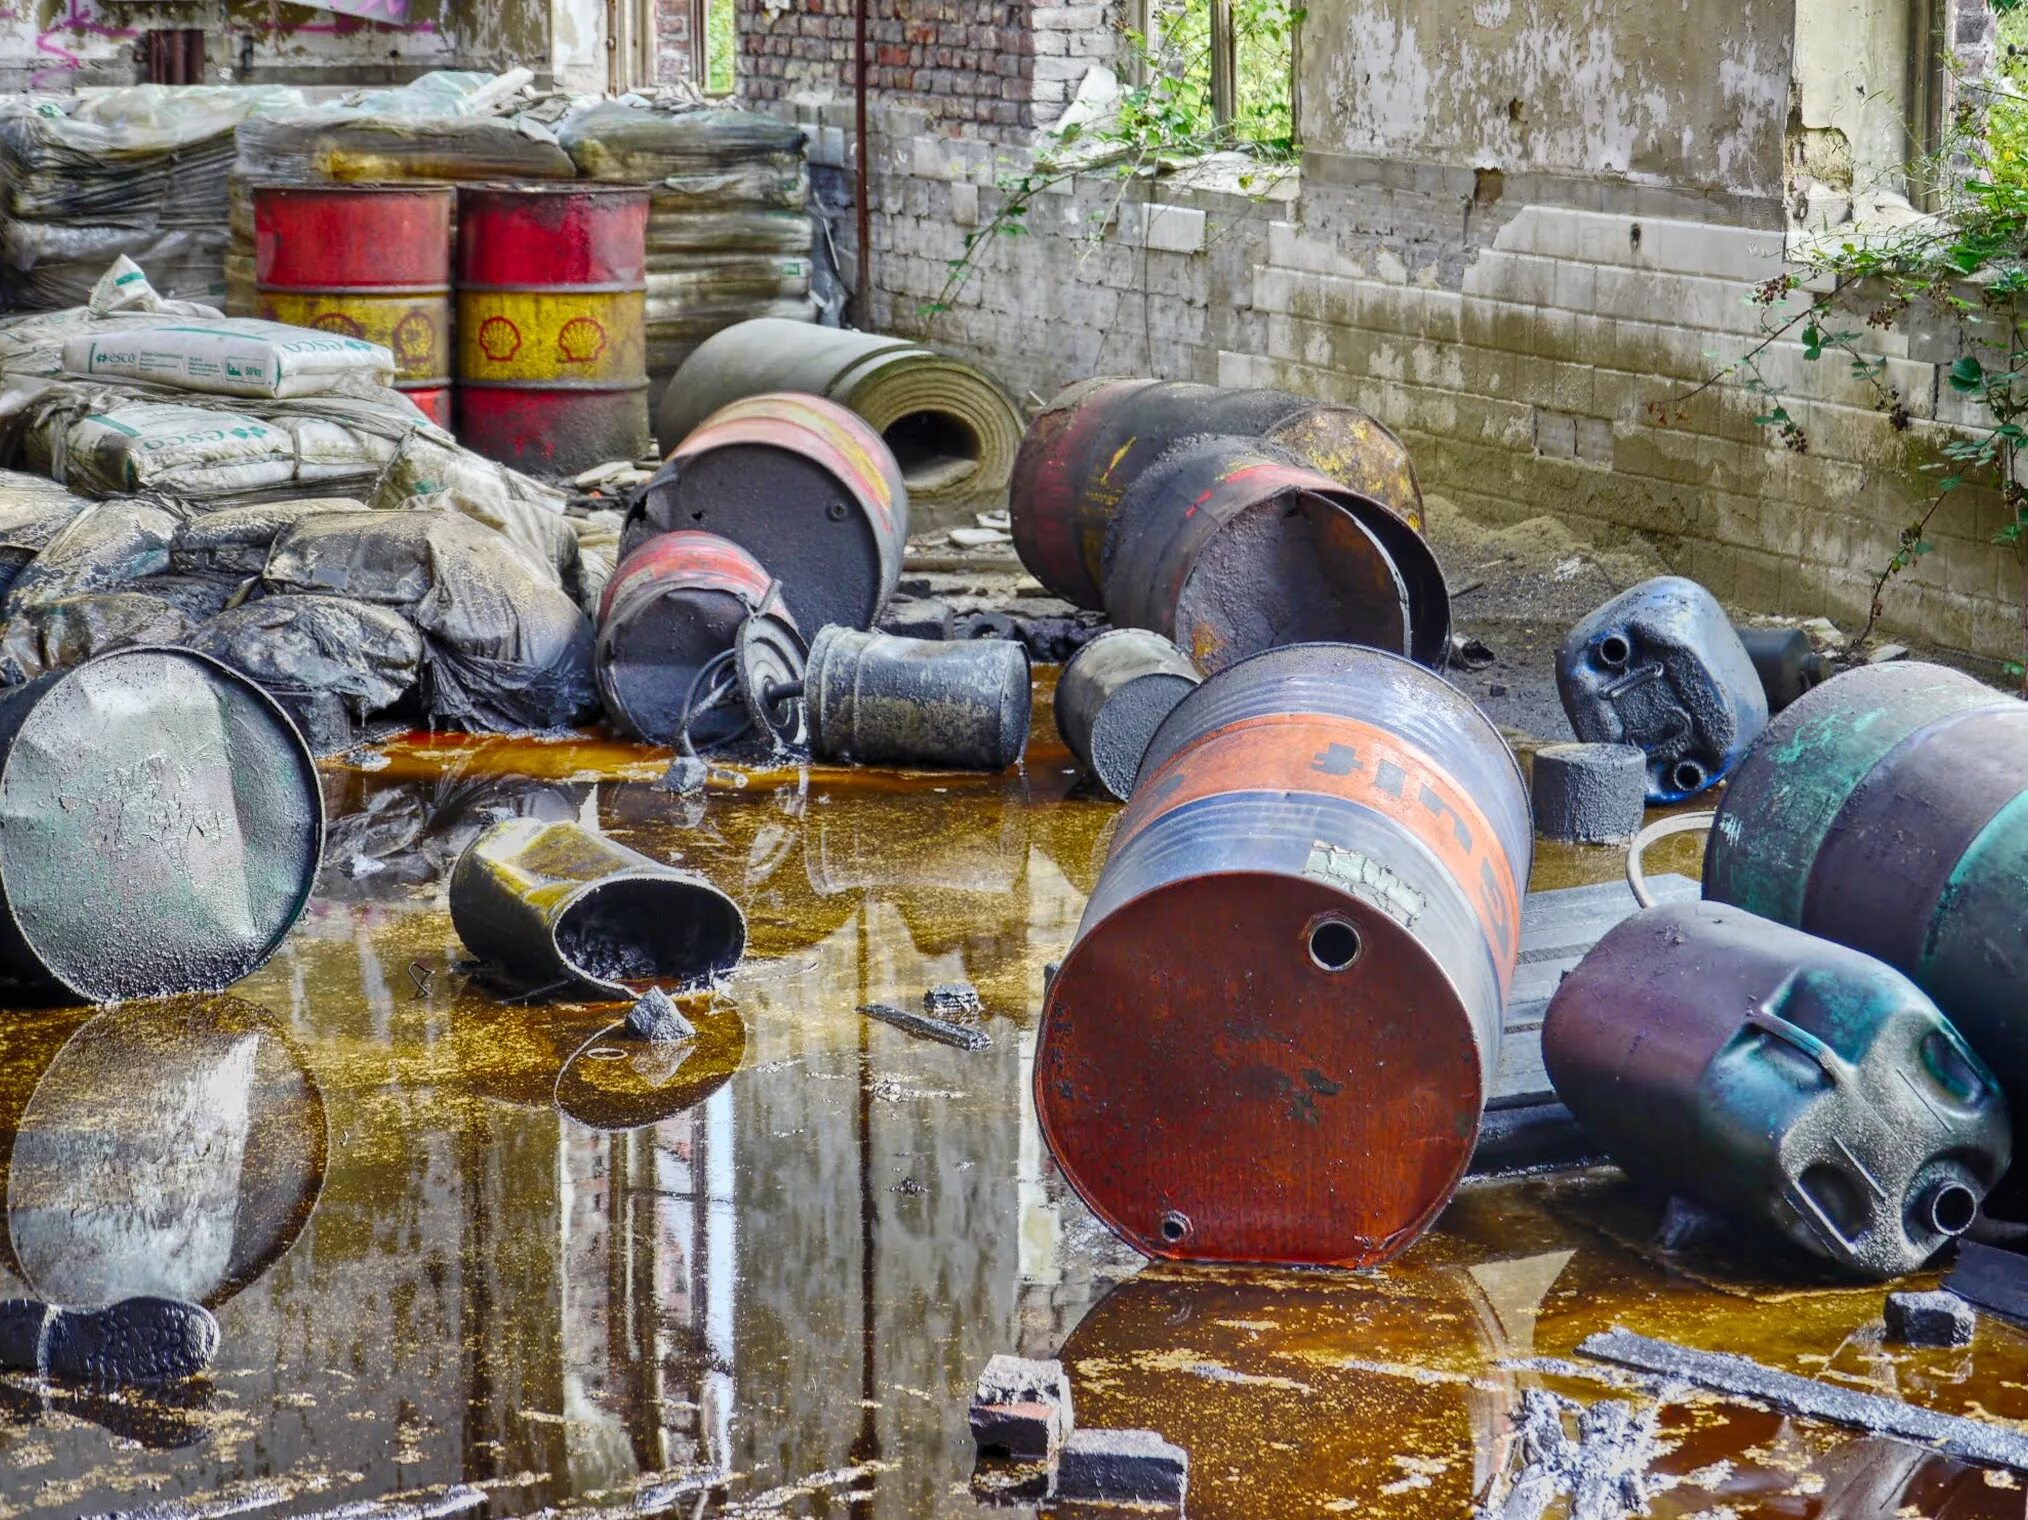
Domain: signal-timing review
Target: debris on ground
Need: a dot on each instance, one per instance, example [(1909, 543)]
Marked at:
[(952, 1000), (1787, 662), (656, 1019), (1936, 1318), (136, 1342), (1121, 1467), (1994, 1279), (1600, 1472), (1021, 1409), (943, 1031), (1589, 793)]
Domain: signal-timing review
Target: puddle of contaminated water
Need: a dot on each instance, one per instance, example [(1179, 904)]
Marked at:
[(453, 1239)]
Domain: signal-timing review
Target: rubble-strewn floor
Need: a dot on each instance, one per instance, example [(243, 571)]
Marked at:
[(791, 1272)]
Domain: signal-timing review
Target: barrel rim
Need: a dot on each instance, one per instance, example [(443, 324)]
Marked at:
[(329, 288), (557, 911), (579, 189), (300, 751)]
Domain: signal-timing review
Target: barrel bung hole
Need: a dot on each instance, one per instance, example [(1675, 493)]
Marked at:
[(1334, 944), (1614, 651), (934, 449), (1689, 775), (1175, 1227), (1951, 1207)]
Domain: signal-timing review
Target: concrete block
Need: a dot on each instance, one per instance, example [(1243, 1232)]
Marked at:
[(1589, 793), (965, 205), (1122, 1467), (1930, 1319), (1021, 1409), (1173, 229)]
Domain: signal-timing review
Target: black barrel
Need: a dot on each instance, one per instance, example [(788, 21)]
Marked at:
[(1274, 1034), (1113, 695), (161, 826), (879, 699)]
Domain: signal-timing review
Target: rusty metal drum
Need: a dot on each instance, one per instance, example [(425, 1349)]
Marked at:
[(1273, 1036), (1781, 1080), (366, 261), (1091, 443), (879, 699), (1111, 698), (161, 825), (1887, 809), (552, 325), (674, 604), (1227, 548), (804, 485)]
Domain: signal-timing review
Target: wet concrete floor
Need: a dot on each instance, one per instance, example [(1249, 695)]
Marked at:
[(450, 1238)]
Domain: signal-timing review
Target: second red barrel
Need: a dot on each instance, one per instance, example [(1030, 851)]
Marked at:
[(365, 261), (552, 325), (1273, 1037)]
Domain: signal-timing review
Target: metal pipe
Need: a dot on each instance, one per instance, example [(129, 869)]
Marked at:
[(864, 213)]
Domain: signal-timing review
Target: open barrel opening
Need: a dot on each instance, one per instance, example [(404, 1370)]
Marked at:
[(1950, 1208), (1334, 944), (935, 449), (651, 929)]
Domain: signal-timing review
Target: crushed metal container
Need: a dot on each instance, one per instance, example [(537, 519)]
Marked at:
[(1786, 661), (1660, 667), (1111, 698), (560, 908), (1888, 810), (878, 699), (1228, 549), (801, 484), (674, 605), (161, 826), (1781, 1081), (1323, 838), (1094, 439)]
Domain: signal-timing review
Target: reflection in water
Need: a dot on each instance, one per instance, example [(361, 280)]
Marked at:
[(617, 1082), (174, 1151)]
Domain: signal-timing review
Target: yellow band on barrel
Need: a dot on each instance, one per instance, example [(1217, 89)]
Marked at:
[(536, 337)]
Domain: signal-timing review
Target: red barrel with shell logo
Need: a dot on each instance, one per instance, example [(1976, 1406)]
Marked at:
[(552, 325), (364, 261)]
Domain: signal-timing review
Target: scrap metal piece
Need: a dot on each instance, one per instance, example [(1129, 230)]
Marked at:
[(943, 1031), (1995, 1280), (878, 699), (770, 663), (1786, 662), (1322, 836), (657, 1019), (618, 1081), (1660, 667), (1888, 810), (556, 905), (1111, 698), (1720, 1372), (164, 826), (1121, 1467), (954, 1000), (1930, 1319), (1781, 1081), (804, 486), (1021, 1409)]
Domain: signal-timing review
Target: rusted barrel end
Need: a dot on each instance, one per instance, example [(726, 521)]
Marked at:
[(804, 485), (876, 698), (1273, 1036), (163, 825), (558, 906)]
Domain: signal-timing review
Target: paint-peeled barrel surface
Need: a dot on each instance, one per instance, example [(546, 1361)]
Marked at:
[(1780, 1080), (552, 325), (371, 262), (879, 699), (162, 825), (1661, 667), (674, 604), (1227, 549), (1272, 1038), (562, 909), (805, 486), (1888, 810), (1092, 442), (1112, 696)]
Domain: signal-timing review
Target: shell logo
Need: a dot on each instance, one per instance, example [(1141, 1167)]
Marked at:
[(499, 339), (581, 340), (337, 322), (415, 340)]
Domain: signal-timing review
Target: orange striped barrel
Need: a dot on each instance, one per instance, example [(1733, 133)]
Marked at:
[(1273, 1036), (552, 325), (367, 261)]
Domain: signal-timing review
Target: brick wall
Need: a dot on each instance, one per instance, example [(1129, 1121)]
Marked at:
[(676, 56)]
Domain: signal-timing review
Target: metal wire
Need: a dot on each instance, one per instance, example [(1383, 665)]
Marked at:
[(1662, 828)]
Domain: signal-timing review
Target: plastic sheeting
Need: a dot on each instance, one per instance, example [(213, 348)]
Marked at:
[(368, 657), (57, 635), (106, 546)]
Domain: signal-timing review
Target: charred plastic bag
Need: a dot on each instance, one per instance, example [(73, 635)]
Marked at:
[(432, 473), (70, 630), (163, 824), (110, 544), (507, 648), (369, 657), (560, 908), (236, 540), (1780, 1080)]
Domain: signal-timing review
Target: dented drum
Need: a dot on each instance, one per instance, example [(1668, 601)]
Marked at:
[(1780, 1080), (1273, 1036), (562, 909), (675, 604), (365, 261), (552, 325), (1888, 810), (1228, 549), (161, 825), (1089, 446), (878, 699), (803, 485), (1111, 698)]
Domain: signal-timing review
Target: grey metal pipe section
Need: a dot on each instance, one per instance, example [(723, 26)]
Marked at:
[(879, 699), (1111, 698)]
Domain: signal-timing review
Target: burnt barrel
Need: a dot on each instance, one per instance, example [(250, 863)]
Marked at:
[(1888, 810), (1273, 1036), (366, 261), (552, 325), (1091, 443), (805, 486)]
